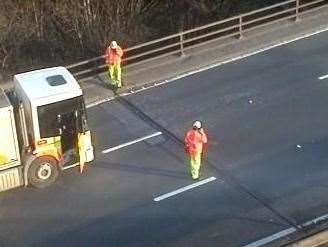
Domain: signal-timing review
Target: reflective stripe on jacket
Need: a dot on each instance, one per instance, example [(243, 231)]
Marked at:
[(114, 56), (194, 141)]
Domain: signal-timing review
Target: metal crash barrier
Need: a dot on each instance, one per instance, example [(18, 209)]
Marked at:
[(179, 43)]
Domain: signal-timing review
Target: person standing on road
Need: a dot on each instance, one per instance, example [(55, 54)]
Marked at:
[(194, 142), (113, 57)]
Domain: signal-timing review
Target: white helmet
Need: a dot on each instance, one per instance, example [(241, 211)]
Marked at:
[(197, 124), (113, 44)]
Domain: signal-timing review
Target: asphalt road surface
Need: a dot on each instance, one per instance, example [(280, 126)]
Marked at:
[(266, 118)]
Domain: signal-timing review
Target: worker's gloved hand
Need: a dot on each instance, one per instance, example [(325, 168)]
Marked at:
[(186, 148)]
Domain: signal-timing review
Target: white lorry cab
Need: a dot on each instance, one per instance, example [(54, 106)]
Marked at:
[(43, 128)]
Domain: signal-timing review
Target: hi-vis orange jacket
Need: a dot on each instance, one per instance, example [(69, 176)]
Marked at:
[(194, 141), (114, 56)]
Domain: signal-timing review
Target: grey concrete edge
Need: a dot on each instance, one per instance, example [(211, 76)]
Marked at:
[(318, 240)]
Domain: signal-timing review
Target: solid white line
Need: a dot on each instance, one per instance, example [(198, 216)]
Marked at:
[(323, 77), (285, 232), (271, 238), (131, 142), (211, 66), (183, 189), (316, 220)]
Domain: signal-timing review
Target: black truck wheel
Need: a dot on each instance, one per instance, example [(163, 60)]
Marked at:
[(43, 172)]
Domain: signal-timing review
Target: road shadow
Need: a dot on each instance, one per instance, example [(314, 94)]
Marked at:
[(154, 224), (136, 168)]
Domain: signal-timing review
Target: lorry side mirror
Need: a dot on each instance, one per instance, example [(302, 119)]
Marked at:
[(85, 128), (84, 124), (93, 137), (59, 119), (59, 127)]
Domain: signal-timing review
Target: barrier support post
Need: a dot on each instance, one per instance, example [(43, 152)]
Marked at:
[(240, 27), (182, 53), (297, 10)]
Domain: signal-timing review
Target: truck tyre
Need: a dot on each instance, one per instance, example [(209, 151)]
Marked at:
[(43, 172)]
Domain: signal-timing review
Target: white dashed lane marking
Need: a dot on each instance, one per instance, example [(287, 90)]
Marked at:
[(183, 189), (108, 150), (323, 77)]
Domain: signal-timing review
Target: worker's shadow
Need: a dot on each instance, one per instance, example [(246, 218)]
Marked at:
[(104, 82), (136, 168), (143, 116), (170, 149), (176, 143)]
